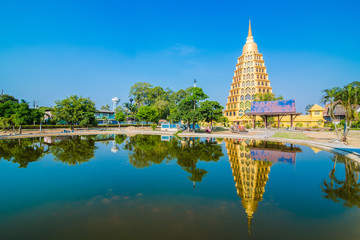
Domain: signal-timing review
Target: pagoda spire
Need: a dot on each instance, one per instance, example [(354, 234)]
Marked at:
[(250, 36), (250, 33)]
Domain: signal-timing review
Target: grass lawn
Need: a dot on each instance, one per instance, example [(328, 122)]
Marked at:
[(300, 136)]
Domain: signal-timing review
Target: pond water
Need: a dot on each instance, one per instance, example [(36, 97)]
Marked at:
[(157, 187)]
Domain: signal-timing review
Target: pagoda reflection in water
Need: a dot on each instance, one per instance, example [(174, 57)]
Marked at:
[(250, 162)]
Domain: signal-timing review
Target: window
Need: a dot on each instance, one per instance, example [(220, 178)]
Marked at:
[(317, 112), (247, 97)]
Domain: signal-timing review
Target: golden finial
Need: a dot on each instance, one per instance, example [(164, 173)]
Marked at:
[(250, 38), (250, 33)]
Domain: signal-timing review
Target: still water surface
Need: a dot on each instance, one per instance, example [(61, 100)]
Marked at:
[(152, 187)]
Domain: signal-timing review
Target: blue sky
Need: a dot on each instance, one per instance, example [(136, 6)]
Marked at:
[(98, 49)]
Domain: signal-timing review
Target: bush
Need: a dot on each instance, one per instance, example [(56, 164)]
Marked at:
[(248, 126), (330, 125), (153, 126)]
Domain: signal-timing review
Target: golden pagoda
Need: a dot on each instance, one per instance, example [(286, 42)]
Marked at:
[(250, 77), (250, 175)]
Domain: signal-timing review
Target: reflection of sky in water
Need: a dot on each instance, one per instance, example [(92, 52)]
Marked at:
[(108, 198)]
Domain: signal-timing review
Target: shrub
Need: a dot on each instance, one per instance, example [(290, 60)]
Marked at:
[(153, 126), (299, 124)]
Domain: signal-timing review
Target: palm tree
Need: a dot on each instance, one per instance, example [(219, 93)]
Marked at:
[(348, 97), (329, 98)]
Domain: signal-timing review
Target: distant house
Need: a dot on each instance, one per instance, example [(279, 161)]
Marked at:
[(48, 116), (339, 113), (105, 116)]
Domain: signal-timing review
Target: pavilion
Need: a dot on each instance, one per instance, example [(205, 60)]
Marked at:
[(277, 109)]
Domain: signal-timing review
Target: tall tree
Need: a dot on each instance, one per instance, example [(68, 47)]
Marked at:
[(329, 97), (349, 97), (188, 107), (120, 117), (211, 111), (140, 93), (73, 109), (147, 114), (23, 115), (5, 97)]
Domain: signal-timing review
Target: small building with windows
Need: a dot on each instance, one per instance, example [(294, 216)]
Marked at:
[(105, 117), (314, 118)]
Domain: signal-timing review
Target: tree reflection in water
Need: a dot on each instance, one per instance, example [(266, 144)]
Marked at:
[(74, 150), (348, 190), (22, 151), (146, 150)]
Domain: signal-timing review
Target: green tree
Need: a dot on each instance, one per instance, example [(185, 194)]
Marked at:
[(224, 120), (88, 120), (188, 107), (7, 112), (5, 97), (329, 97), (73, 109), (120, 117), (140, 93), (105, 120), (349, 97), (162, 106), (147, 114), (211, 111), (22, 116), (261, 97), (105, 107)]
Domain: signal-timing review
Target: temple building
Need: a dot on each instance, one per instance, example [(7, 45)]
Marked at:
[(250, 77)]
